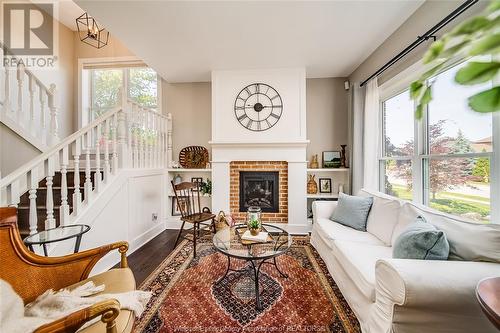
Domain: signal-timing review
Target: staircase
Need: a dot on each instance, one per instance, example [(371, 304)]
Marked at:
[(43, 215), (27, 106), (56, 187)]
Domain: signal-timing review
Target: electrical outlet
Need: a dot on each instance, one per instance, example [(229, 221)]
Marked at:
[(154, 217)]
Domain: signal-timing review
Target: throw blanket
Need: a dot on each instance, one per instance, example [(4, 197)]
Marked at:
[(50, 306)]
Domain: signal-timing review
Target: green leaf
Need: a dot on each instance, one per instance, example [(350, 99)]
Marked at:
[(470, 26), (493, 6), (434, 51), (452, 51), (427, 96), (486, 45), (415, 89), (486, 101), (477, 72), (432, 71), (419, 111)]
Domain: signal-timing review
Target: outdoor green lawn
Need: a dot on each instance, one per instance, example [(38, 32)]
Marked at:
[(452, 203)]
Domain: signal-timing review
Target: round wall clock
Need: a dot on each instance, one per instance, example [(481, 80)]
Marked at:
[(258, 107)]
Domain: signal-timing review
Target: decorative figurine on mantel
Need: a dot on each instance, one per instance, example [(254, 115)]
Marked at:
[(314, 162), (342, 157), (312, 186)]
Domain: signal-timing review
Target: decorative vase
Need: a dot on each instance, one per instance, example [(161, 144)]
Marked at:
[(314, 162), (342, 156), (177, 179), (254, 222), (312, 186)]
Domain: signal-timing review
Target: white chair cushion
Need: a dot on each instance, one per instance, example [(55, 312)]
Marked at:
[(358, 261), (383, 216), (332, 231)]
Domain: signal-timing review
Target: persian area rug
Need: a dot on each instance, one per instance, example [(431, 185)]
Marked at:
[(187, 299)]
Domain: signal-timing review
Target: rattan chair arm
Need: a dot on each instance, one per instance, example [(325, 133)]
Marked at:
[(108, 310)]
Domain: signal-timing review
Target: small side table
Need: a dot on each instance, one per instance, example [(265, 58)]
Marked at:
[(488, 295), (57, 235)]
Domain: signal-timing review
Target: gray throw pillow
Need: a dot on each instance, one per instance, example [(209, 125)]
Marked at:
[(421, 240), (352, 211)]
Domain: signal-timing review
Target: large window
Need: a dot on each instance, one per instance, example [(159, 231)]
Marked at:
[(444, 160), (104, 82)]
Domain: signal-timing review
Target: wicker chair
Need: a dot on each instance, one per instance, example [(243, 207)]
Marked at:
[(30, 275)]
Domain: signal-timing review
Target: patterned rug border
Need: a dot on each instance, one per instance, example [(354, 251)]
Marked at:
[(184, 252)]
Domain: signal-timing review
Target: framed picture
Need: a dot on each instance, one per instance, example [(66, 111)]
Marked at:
[(325, 185), (331, 159), (175, 208), (198, 180)]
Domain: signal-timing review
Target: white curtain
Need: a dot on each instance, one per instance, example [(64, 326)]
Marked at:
[(356, 114), (371, 136)]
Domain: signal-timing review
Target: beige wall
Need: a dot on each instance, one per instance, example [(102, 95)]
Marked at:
[(424, 18), (190, 105), (115, 48), (326, 115), (14, 151)]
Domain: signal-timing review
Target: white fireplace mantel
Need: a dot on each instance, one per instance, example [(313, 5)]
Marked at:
[(286, 141)]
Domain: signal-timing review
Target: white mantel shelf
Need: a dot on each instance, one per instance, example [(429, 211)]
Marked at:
[(232, 144)]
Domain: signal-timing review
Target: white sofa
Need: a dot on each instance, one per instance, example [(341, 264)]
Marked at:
[(402, 295)]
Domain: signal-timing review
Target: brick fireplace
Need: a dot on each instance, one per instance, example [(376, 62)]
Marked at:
[(236, 170)]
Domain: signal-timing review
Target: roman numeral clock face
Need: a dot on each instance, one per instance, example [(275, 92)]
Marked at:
[(258, 107)]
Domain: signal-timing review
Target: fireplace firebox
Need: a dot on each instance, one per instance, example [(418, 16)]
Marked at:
[(259, 188)]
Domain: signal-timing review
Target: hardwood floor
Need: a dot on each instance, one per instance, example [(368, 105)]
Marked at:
[(145, 260)]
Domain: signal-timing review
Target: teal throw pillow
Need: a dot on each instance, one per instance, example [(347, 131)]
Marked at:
[(352, 211), (421, 240)]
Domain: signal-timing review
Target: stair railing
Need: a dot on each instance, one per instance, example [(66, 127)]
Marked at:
[(126, 137), (28, 104)]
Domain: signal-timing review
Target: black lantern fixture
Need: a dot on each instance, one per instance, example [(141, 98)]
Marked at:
[(90, 33)]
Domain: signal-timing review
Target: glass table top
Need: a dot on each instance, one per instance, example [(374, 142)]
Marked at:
[(228, 241), (57, 234)]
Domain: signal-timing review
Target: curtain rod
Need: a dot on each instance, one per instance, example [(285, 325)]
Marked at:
[(420, 39)]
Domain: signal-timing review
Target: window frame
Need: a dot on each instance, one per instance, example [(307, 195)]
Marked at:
[(421, 153), (85, 89)]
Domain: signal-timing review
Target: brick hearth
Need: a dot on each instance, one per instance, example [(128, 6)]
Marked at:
[(236, 166)]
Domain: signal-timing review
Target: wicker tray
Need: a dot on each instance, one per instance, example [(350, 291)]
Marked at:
[(193, 157)]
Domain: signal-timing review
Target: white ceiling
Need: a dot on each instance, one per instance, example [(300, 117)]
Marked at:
[(184, 40)]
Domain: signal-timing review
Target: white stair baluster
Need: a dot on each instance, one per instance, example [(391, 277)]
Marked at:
[(31, 87), (64, 210), (54, 124), (43, 123), (77, 196), (20, 81), (129, 120), (169, 140), (114, 161), (156, 141), (88, 177), (33, 185), (135, 142), (6, 102), (106, 150), (141, 138), (50, 222), (97, 175)]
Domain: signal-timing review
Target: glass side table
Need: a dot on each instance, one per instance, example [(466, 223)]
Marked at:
[(57, 235)]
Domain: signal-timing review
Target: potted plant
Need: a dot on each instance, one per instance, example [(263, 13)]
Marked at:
[(254, 227)]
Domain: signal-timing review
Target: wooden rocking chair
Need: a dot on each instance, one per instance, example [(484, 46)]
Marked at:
[(188, 203)]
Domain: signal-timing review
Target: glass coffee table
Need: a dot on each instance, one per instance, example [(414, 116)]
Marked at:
[(228, 242), (57, 235)]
